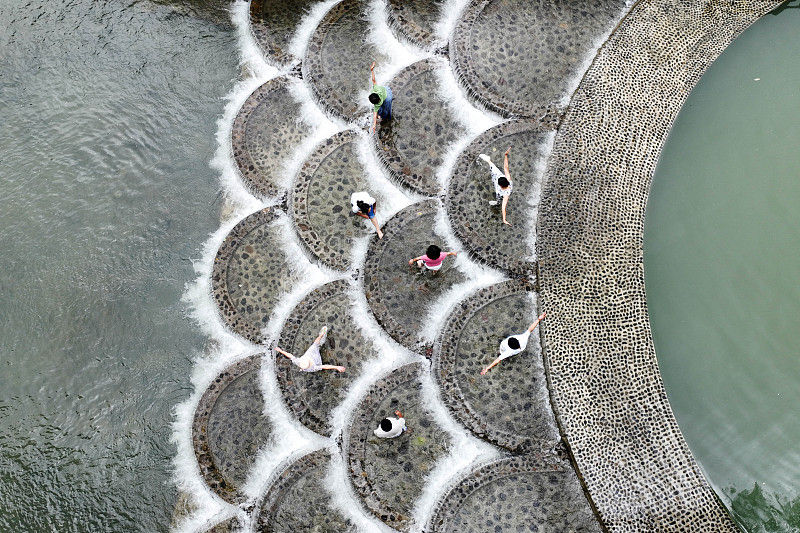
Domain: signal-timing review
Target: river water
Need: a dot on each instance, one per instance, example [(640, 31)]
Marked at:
[(108, 112), (722, 265)]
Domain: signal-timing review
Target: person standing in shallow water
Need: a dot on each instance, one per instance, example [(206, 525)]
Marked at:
[(363, 205), (381, 98), (432, 260), (502, 183), (514, 344), (311, 361)]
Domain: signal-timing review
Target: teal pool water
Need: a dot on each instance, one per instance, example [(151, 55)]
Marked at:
[(722, 266)]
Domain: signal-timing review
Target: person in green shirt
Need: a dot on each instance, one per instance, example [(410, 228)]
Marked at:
[(381, 98)]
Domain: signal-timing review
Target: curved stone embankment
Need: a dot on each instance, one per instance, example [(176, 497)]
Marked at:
[(401, 296), (520, 58), (389, 474), (412, 146), (250, 273), (229, 428), (312, 396), (476, 223), (297, 500), (415, 20), (274, 22), (320, 201), (510, 405), (604, 377), (336, 65)]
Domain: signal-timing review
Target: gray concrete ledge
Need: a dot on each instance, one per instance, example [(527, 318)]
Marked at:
[(273, 23), (229, 428), (604, 378), (312, 396), (389, 474), (415, 20), (526, 493), (509, 406), (266, 131), (297, 500)]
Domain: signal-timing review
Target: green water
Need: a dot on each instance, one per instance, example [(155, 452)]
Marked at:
[(722, 264)]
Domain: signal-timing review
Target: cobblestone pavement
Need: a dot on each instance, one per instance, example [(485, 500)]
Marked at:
[(580, 421)]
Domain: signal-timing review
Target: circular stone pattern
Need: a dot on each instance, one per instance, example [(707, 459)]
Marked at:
[(527, 80), (338, 57), (479, 225), (320, 202), (412, 145), (390, 474), (266, 131), (229, 428), (231, 525), (416, 19), (250, 273), (518, 494), (311, 396), (401, 296), (274, 22), (509, 406), (298, 501)]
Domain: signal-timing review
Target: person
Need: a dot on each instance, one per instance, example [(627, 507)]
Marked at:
[(514, 344), (311, 361), (502, 183), (363, 205), (391, 427), (381, 98), (433, 258)]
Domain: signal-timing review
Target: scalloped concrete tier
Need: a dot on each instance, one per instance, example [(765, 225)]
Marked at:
[(401, 296), (412, 145), (605, 382), (338, 57), (250, 273), (273, 23), (231, 525), (229, 428), (266, 131), (320, 201), (525, 493), (478, 225), (415, 20), (311, 396), (510, 405), (520, 57), (389, 474), (298, 501)]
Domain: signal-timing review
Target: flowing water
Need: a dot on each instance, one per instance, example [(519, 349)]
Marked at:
[(722, 261), (108, 112)]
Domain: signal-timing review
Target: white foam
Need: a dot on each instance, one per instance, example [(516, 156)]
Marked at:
[(393, 199), (304, 31), (534, 197), (474, 119), (400, 54), (451, 12)]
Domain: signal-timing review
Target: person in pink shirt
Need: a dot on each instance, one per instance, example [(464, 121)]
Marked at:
[(433, 258)]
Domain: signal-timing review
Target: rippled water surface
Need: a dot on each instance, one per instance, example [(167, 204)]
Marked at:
[(108, 113), (722, 261)]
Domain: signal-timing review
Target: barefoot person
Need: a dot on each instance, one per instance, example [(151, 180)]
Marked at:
[(433, 258), (391, 427), (513, 345), (381, 98), (311, 361), (363, 205), (502, 183)]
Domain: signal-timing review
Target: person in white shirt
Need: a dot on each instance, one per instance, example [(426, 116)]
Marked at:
[(363, 205), (311, 361), (513, 345), (391, 427), (502, 183)]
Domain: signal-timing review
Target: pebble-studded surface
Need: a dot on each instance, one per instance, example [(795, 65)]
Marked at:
[(311, 396), (320, 202), (266, 132), (273, 23), (478, 224), (508, 406), (412, 145), (401, 296), (416, 20), (229, 428), (389, 474), (297, 500), (338, 58)]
